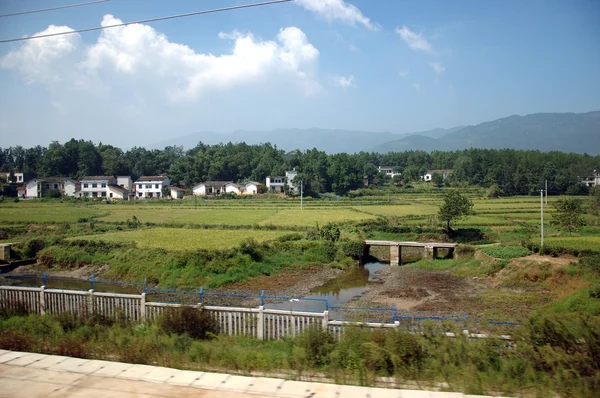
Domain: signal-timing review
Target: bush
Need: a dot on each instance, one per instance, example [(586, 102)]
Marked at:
[(506, 252), (195, 322), (591, 263), (353, 248), (289, 237), (32, 246)]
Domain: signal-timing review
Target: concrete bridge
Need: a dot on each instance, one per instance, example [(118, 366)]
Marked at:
[(429, 249)]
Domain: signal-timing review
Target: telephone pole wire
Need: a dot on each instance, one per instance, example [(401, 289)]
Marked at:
[(53, 8)]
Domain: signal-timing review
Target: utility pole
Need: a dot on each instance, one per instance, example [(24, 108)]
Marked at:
[(542, 210), (301, 193), (546, 192)]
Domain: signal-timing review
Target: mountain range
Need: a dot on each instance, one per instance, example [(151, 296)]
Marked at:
[(565, 132)]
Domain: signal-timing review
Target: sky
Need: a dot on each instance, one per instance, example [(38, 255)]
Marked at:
[(396, 66)]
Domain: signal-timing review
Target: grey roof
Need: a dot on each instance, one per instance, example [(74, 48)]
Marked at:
[(177, 189), (118, 188), (97, 178), (151, 178), (253, 182), (217, 184)]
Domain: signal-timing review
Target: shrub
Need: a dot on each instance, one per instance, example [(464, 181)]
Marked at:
[(353, 248), (196, 322), (32, 246), (506, 252), (330, 232), (464, 251), (317, 345), (591, 263), (289, 237)]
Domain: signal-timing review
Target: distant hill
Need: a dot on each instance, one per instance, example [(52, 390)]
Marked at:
[(330, 141), (566, 132)]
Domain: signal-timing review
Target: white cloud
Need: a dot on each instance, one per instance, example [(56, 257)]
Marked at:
[(417, 86), (139, 57), (403, 73), (41, 60), (344, 81), (438, 68), (415, 41), (340, 10)]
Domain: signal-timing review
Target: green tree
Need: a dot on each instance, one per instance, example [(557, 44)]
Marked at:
[(438, 180), (455, 207), (569, 214)]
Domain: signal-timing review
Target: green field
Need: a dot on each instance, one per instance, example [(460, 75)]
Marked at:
[(34, 212), (181, 239), (576, 242)]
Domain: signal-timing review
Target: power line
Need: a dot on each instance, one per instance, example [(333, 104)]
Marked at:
[(53, 8), (189, 14)]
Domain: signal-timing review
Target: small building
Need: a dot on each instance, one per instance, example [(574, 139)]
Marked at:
[(148, 187), (96, 186), (125, 182), (117, 192), (177, 193), (592, 180), (232, 187), (388, 171), (209, 188), (18, 178), (21, 192), (277, 183), (42, 187), (252, 188), (429, 175)]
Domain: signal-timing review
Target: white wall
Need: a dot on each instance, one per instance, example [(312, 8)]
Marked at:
[(69, 189), (229, 188), (32, 191), (125, 182), (251, 189), (199, 190), (144, 189)]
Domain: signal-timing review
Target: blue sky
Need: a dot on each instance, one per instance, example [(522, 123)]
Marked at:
[(374, 65)]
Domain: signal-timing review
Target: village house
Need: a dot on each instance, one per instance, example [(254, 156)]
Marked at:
[(117, 192), (232, 187), (21, 192), (252, 188), (592, 180), (125, 182), (147, 187), (208, 188), (42, 187), (96, 186), (277, 183), (388, 171), (429, 175), (17, 178), (177, 193)]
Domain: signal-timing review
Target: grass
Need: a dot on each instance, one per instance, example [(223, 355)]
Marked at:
[(43, 213), (182, 239), (506, 252), (576, 242)]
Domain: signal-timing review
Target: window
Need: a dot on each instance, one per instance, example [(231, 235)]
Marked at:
[(85, 185), (111, 195), (86, 194), (156, 186), (103, 185), (103, 194), (140, 194), (55, 186), (94, 185)]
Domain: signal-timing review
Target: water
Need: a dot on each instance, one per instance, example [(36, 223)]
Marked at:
[(346, 286)]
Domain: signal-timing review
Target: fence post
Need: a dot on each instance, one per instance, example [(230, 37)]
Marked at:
[(45, 279), (260, 327), (90, 302), (92, 282), (326, 301), (201, 295), (326, 320), (143, 307), (43, 299), (262, 298)]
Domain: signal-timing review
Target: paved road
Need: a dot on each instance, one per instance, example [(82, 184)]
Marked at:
[(36, 375)]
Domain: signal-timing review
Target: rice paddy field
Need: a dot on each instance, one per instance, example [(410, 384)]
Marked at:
[(181, 239), (500, 216)]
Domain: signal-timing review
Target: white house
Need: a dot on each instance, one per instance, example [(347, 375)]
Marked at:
[(21, 192), (276, 184), (429, 175), (96, 186), (125, 182), (592, 180), (252, 188), (388, 171), (177, 193), (17, 177), (41, 187), (151, 186), (232, 187), (117, 192), (210, 188)]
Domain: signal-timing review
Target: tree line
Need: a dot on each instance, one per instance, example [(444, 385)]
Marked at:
[(512, 172)]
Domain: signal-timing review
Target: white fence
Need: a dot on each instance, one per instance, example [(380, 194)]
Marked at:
[(261, 323)]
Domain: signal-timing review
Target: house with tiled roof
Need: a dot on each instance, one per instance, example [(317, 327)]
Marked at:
[(148, 187)]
